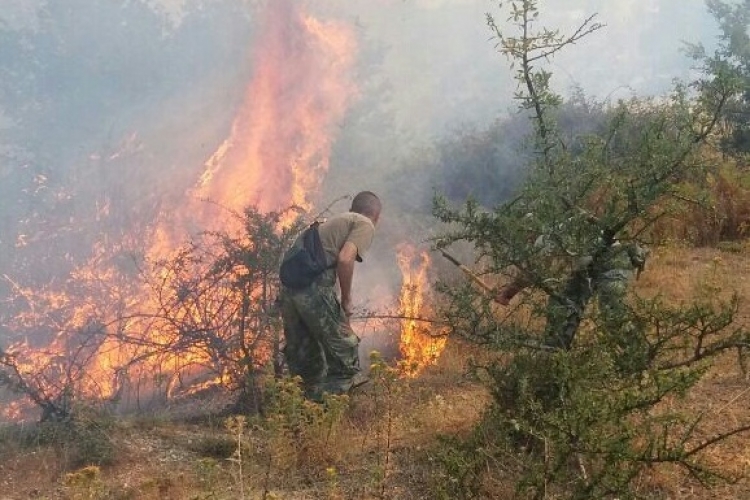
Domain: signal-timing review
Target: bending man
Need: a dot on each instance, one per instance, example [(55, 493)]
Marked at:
[(321, 346), (605, 277)]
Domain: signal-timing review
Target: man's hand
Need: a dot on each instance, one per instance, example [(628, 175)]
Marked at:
[(502, 299)]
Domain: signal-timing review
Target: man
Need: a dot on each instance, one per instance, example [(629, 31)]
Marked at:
[(321, 346), (605, 277)]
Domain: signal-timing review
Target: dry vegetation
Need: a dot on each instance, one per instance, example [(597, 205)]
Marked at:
[(724, 395), (379, 444)]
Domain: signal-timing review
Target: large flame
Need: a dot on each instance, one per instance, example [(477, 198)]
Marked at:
[(279, 147), (420, 344), (275, 157), (280, 143)]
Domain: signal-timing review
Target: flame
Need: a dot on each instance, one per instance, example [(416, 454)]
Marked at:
[(275, 157), (420, 347), (279, 147), (280, 143), (78, 358)]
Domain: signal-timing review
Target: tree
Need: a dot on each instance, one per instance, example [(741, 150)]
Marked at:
[(215, 304), (733, 57), (53, 380), (53, 339), (578, 384)]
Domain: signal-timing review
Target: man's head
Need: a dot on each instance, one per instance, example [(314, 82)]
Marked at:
[(368, 204)]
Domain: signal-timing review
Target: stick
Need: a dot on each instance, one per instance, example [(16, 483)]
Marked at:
[(476, 279)]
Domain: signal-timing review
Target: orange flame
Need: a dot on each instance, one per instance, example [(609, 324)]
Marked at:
[(275, 157), (420, 347), (278, 150), (280, 142)]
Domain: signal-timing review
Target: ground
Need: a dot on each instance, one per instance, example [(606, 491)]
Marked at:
[(380, 446)]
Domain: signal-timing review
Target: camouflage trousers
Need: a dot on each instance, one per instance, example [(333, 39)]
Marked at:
[(565, 313), (321, 346), (626, 339)]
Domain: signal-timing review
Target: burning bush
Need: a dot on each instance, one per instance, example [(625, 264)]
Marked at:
[(214, 305)]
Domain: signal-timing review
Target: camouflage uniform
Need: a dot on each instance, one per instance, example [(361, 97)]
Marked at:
[(607, 280), (321, 346)]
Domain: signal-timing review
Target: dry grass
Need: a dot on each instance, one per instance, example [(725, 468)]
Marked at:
[(723, 396), (162, 459)]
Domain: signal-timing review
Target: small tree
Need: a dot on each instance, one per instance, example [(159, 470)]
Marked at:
[(732, 56), (579, 387), (54, 379), (215, 302)]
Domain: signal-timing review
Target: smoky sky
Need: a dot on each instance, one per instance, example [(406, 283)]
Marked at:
[(441, 64), (109, 110), (443, 68)]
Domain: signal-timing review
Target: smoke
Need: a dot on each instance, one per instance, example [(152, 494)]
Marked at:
[(430, 76), (436, 111), (109, 110)]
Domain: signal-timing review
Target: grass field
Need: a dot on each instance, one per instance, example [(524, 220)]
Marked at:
[(378, 444)]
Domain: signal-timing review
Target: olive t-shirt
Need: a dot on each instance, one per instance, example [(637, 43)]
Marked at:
[(348, 226)]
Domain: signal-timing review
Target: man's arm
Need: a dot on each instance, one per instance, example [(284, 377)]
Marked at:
[(345, 273)]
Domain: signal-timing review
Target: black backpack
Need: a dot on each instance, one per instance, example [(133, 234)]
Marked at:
[(304, 263)]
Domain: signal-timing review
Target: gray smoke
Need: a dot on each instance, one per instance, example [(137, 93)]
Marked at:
[(108, 110)]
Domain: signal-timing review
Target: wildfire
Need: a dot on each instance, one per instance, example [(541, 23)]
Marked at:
[(275, 157), (78, 358), (279, 147), (420, 346), (278, 150)]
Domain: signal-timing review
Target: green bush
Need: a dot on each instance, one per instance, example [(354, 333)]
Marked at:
[(579, 377)]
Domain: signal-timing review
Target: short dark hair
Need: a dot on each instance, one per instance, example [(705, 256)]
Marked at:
[(366, 203)]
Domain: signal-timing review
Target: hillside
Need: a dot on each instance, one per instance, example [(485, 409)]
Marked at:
[(385, 442)]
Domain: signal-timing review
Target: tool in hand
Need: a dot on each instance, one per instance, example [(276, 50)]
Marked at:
[(476, 279)]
